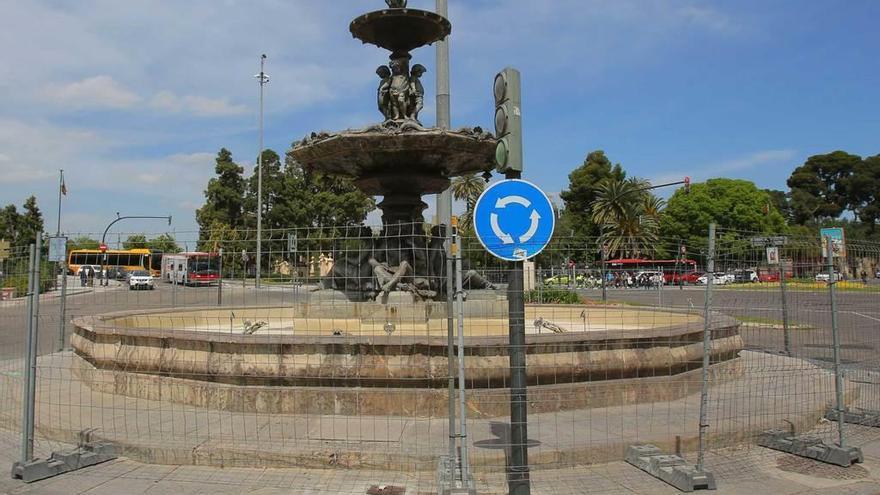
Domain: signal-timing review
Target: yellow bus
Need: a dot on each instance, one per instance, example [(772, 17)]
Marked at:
[(127, 259)]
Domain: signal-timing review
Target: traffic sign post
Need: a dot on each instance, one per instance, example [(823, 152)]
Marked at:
[(514, 221)]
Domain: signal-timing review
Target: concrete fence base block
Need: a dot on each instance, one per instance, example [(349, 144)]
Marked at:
[(87, 454), (810, 446), (857, 416), (672, 469), (449, 480)]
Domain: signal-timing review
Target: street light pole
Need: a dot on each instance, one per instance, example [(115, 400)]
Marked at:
[(263, 78)]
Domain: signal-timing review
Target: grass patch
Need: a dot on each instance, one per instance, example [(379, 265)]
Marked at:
[(801, 286)]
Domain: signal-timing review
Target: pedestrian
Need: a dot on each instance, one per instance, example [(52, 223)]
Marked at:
[(82, 276), (864, 277)]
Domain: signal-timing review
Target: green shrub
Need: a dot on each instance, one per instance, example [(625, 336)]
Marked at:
[(20, 284), (553, 296)]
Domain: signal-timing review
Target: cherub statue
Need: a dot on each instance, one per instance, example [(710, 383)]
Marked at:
[(399, 90), (383, 93), (416, 92), (396, 4)]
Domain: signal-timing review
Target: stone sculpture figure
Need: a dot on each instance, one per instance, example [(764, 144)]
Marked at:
[(396, 4), (416, 92), (383, 94), (399, 90)]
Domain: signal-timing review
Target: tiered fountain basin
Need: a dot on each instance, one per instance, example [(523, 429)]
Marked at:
[(341, 359)]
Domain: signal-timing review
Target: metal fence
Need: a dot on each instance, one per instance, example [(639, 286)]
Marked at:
[(341, 359)]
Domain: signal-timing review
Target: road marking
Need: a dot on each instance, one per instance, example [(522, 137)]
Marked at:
[(864, 316)]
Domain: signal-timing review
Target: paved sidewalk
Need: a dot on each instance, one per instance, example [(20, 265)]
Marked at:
[(748, 470), (172, 433)]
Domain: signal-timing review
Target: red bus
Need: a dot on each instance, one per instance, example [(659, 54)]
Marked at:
[(674, 271), (191, 268)]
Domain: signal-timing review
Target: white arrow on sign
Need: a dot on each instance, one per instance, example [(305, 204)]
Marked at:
[(533, 227), (506, 200), (505, 238)]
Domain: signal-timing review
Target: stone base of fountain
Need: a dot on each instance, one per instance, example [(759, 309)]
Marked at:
[(374, 359)]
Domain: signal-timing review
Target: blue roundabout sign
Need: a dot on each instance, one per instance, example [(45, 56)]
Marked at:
[(514, 220)]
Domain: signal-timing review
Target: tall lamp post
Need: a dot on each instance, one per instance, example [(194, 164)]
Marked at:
[(263, 78)]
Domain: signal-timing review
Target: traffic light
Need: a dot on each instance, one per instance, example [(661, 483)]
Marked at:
[(508, 121), (687, 185)]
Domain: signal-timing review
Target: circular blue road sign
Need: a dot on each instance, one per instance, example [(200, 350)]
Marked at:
[(514, 220)]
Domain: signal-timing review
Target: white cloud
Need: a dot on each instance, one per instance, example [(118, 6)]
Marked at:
[(196, 105), (32, 152), (92, 92)]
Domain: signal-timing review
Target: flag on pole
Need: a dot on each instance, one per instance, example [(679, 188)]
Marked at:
[(63, 185)]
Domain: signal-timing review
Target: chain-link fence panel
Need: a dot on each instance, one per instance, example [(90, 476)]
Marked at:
[(344, 351)]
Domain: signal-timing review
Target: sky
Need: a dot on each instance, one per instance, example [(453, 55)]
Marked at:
[(134, 99)]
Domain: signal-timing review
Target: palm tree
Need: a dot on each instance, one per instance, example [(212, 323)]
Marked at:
[(468, 188), (627, 215)]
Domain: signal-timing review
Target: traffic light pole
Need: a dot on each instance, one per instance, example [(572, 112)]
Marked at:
[(518, 482)]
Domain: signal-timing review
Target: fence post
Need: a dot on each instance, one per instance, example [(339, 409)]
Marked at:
[(707, 348), (786, 331), (462, 384), (450, 339), (835, 342), (63, 304), (30, 368), (220, 277)]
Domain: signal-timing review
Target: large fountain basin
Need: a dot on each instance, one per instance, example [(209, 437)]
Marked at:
[(298, 345)]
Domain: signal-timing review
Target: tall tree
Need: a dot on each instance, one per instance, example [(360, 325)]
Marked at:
[(30, 222), (581, 193), (10, 223), (730, 203), (864, 191), (164, 243), (313, 199), (224, 194), (82, 242), (628, 216), (274, 191), (820, 187), (135, 241), (468, 188), (781, 201)]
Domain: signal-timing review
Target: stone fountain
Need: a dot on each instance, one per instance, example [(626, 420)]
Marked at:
[(400, 160), (383, 351)]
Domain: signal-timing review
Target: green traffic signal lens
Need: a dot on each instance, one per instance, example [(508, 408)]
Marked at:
[(500, 88), (500, 121), (501, 153)]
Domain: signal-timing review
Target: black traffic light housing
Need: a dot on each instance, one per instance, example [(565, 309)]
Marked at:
[(508, 121)]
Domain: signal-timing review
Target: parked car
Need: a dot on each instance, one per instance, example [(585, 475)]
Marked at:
[(717, 279), (563, 279), (682, 278), (768, 277), (824, 277), (745, 276), (140, 279)]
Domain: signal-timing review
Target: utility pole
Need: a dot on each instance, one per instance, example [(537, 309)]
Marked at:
[(263, 79), (444, 217), (509, 160), (62, 268)]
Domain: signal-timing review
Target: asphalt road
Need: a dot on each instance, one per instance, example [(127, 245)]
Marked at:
[(809, 313)]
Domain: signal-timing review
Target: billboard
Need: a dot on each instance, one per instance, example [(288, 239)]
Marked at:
[(838, 241)]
